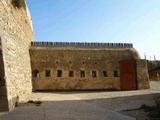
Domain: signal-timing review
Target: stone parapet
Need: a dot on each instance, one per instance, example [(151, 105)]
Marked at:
[(81, 45)]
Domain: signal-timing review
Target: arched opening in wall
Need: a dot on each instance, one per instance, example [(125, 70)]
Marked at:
[(35, 74)]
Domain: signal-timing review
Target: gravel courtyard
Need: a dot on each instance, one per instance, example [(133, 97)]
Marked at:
[(95, 105)]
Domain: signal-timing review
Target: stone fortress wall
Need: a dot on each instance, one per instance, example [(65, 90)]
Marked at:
[(99, 62), (54, 66), (16, 35)]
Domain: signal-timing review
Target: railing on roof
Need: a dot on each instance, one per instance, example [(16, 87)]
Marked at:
[(81, 45)]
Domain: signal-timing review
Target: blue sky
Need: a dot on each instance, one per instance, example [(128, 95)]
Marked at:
[(133, 21)]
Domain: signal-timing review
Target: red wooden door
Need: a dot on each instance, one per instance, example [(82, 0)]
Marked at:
[(128, 75)]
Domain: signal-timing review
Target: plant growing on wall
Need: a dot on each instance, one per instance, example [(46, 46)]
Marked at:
[(18, 3)]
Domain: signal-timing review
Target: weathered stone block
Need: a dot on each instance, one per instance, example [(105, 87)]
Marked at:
[(142, 74)]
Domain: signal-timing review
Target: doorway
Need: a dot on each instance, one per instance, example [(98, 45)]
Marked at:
[(128, 75)]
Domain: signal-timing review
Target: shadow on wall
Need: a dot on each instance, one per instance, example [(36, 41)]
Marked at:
[(93, 109)]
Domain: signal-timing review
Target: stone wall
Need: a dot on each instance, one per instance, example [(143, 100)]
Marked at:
[(153, 64), (78, 59), (154, 74), (142, 74), (154, 69), (16, 36)]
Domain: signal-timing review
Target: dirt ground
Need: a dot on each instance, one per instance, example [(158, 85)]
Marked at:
[(140, 114), (103, 105)]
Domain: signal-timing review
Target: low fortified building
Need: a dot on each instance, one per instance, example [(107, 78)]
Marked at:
[(27, 66), (85, 66)]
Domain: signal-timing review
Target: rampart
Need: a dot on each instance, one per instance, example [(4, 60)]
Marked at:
[(61, 66), (57, 65)]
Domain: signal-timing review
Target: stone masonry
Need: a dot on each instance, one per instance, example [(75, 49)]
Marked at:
[(93, 59), (142, 76), (16, 35), (55, 65)]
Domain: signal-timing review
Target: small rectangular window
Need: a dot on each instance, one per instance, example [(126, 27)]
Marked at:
[(94, 74), (105, 74), (48, 73), (82, 74), (71, 73), (35, 74), (115, 73), (59, 73)]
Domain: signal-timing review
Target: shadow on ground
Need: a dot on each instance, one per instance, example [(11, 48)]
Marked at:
[(77, 91)]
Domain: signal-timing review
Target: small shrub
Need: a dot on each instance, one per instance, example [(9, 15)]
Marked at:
[(18, 3)]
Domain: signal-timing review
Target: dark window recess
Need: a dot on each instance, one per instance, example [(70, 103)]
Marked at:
[(35, 74), (94, 74), (48, 73), (82, 74), (105, 74), (71, 73), (1, 82), (59, 73), (115, 73)]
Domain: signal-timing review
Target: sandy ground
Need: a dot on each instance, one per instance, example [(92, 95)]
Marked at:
[(94, 105)]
